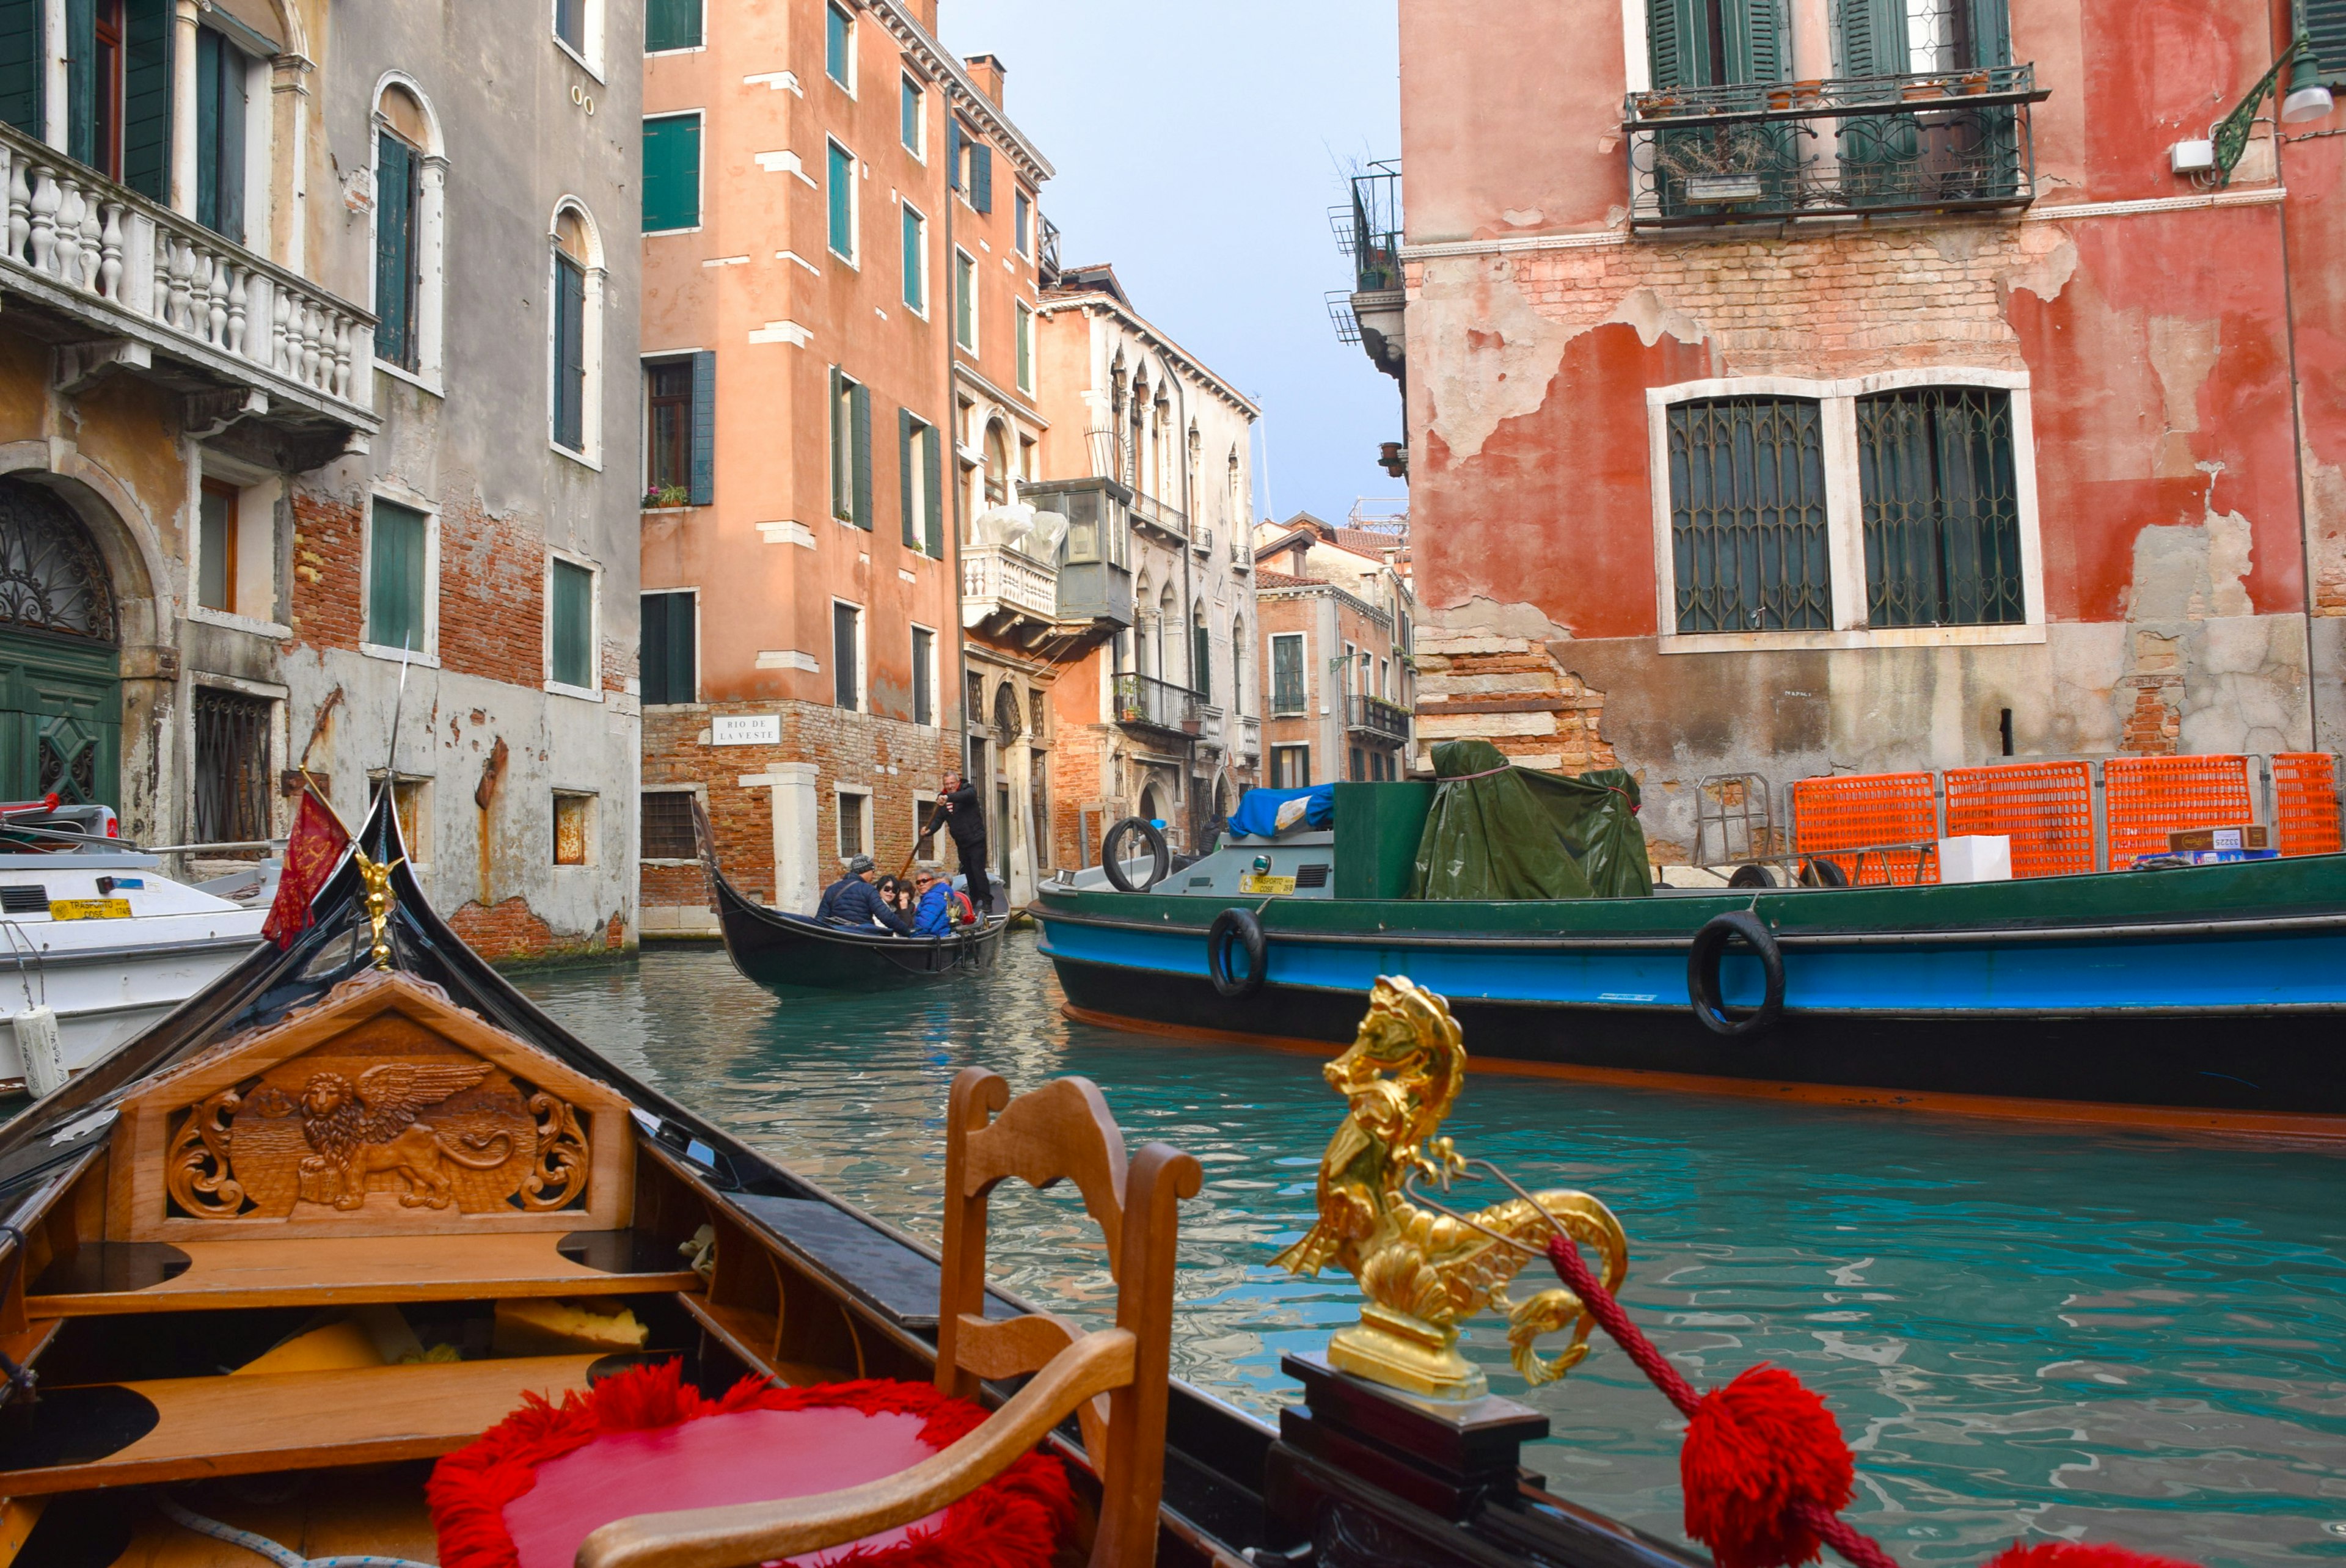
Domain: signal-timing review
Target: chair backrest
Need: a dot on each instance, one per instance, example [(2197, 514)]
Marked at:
[(1063, 1130)]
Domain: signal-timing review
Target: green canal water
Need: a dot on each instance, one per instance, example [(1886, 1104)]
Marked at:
[(2085, 1335)]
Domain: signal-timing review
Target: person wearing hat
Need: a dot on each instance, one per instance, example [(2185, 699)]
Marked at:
[(853, 901)]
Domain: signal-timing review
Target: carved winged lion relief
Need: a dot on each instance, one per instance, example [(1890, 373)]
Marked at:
[(352, 1124)]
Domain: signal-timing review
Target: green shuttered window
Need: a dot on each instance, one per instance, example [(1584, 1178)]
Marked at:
[(917, 448), (569, 353), (671, 24), (2325, 24), (912, 119), (1748, 515), (1901, 38), (924, 678), (846, 655), (1201, 663), (680, 438), (1939, 502), (915, 242), (965, 300), (571, 602), (220, 132), (671, 173), (395, 252), (1025, 336), (1712, 43), (1287, 675), (668, 656), (841, 196), (839, 47), (399, 547), (850, 450), (20, 65)]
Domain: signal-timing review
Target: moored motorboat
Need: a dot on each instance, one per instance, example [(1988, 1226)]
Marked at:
[(368, 1176), (2191, 997), (794, 952), (96, 943)]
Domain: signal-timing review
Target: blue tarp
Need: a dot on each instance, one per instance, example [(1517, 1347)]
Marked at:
[(1256, 816)]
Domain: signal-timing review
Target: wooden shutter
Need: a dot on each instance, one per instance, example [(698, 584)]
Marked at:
[(952, 153), (1674, 44), (81, 80), (574, 625), (1992, 29), (1757, 47), (671, 172), (671, 24), (668, 622), (651, 645), (843, 638), (146, 49), (395, 252), (981, 177), (569, 353), (396, 586), (1201, 663), (932, 495), (20, 65), (908, 497), (1873, 38), (840, 465), (860, 400), (219, 119), (704, 428)]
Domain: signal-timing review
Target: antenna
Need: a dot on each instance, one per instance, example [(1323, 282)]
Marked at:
[(391, 758)]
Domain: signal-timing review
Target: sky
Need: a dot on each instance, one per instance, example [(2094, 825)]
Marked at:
[(1198, 147)]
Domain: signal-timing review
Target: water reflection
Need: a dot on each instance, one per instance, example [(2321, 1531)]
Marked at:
[(2128, 1339)]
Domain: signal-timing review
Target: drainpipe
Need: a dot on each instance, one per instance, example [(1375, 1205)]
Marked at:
[(949, 466), (2296, 422)]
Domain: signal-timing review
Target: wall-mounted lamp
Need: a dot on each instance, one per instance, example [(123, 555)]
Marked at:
[(2307, 99)]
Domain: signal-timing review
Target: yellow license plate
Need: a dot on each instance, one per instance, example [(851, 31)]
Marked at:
[(90, 909), (1256, 883)]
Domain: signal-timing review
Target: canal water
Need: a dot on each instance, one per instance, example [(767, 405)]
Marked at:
[(2081, 1334)]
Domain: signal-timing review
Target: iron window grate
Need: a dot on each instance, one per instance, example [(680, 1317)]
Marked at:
[(232, 733), (1937, 481), (1747, 531), (667, 826)]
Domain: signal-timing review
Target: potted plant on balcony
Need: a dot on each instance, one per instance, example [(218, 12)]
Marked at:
[(660, 497), (1975, 82)]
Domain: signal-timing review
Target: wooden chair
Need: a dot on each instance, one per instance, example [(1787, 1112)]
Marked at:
[(1114, 1379)]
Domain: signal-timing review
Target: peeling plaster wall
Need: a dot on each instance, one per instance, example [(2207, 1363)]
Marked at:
[(2156, 347)]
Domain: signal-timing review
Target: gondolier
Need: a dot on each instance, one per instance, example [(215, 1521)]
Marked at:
[(959, 810)]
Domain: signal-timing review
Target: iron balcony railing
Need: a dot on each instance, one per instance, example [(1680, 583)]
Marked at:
[(1146, 508), (1368, 229), (1375, 716), (1147, 703), (1943, 141), (1049, 254)]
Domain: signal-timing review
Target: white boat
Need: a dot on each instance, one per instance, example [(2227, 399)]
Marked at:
[(96, 935)]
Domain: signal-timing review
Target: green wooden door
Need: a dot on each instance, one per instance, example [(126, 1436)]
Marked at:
[(60, 673)]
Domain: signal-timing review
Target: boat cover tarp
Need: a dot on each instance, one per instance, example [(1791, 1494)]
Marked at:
[(1499, 831), (1257, 813)]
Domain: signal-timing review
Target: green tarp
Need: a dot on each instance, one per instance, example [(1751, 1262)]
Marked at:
[(1498, 831)]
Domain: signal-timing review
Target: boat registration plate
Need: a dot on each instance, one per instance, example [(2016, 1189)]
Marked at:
[(1254, 882), (90, 909)]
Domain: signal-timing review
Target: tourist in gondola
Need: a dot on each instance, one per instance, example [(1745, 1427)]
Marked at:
[(853, 901), (936, 909)]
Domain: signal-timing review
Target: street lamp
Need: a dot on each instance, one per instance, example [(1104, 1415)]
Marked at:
[(2307, 99)]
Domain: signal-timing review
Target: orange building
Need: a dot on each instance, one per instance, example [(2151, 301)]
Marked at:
[(840, 268)]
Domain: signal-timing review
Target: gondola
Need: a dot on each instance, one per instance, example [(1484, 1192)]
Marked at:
[(788, 952), (187, 1298)]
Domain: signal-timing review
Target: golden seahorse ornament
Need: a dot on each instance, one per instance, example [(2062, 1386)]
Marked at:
[(1425, 1270)]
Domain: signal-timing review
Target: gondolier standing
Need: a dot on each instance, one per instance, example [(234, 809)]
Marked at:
[(957, 807)]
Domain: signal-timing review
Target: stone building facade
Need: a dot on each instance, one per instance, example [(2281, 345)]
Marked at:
[(1891, 391), (1336, 652), (302, 359), (1163, 719), (841, 250)]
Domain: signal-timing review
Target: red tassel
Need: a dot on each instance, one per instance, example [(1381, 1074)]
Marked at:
[(1760, 1454), (2076, 1554)]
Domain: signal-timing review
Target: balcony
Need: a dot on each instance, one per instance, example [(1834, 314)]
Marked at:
[(1093, 587), (122, 285), (1250, 739), (1373, 716), (1144, 702), (1170, 521), (1212, 727), (1004, 592), (1781, 151), (1368, 229)]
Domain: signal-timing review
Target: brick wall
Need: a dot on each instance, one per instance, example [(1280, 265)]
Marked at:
[(492, 596), (328, 608)]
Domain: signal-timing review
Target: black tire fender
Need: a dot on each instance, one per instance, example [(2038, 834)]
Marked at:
[(1241, 924), (1703, 959), (1160, 864)]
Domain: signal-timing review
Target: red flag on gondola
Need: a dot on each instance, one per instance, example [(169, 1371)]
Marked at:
[(311, 856)]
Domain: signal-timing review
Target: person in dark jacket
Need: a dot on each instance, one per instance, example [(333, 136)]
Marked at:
[(853, 901), (966, 822)]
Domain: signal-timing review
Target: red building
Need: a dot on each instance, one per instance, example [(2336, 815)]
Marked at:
[(1796, 386)]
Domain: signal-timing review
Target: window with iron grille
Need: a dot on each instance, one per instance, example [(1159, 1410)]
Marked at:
[(232, 733), (1748, 533), (667, 825), (1940, 510)]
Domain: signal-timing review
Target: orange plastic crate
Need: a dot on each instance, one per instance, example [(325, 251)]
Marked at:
[(2147, 798), (2305, 802), (1860, 811), (2046, 808)]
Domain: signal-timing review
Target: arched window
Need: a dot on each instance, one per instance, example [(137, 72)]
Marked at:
[(1169, 621), (411, 179), (577, 284), (1237, 665), (997, 465)]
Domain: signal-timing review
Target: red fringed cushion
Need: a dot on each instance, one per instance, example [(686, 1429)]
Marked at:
[(644, 1442)]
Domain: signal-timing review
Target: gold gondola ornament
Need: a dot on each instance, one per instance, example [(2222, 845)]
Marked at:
[(1424, 1267)]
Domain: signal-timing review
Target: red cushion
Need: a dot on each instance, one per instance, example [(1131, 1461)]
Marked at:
[(541, 1481)]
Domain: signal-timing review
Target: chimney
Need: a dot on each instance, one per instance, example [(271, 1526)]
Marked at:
[(985, 70)]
